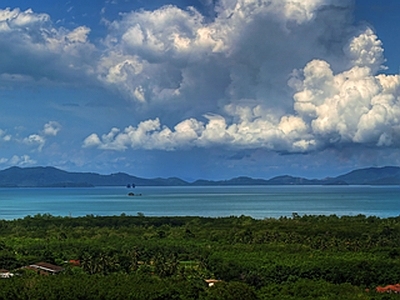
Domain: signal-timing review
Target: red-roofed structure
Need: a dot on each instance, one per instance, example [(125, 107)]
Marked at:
[(392, 288)]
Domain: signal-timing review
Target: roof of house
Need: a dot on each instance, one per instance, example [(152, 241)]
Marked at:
[(74, 262), (389, 288), (212, 280), (47, 267)]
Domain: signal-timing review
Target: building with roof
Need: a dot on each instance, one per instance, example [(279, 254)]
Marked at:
[(5, 273), (45, 268)]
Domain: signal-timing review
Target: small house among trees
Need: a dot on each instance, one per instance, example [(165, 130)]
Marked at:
[(5, 273), (45, 268)]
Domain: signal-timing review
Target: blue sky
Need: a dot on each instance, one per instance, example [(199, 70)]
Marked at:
[(201, 88)]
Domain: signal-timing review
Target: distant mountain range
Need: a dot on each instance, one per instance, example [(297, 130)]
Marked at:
[(53, 177)]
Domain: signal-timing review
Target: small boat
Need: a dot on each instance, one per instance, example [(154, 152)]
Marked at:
[(133, 194)]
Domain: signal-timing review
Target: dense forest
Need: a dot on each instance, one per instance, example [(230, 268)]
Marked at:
[(139, 257)]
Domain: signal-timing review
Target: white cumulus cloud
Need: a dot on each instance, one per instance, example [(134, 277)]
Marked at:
[(4, 136), (37, 50), (36, 140), (355, 106), (283, 75), (173, 55), (39, 139), (51, 128), (22, 160)]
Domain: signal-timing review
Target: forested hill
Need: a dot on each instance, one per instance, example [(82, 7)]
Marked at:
[(53, 177)]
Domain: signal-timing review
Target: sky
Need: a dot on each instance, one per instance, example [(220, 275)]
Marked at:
[(200, 89)]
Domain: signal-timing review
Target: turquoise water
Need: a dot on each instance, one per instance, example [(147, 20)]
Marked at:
[(256, 201)]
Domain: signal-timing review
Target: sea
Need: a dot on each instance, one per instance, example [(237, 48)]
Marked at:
[(259, 202)]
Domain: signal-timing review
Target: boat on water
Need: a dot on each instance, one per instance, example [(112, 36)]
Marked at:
[(133, 194)]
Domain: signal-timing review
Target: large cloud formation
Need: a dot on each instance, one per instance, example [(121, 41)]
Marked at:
[(283, 75), (34, 49), (172, 55), (245, 59)]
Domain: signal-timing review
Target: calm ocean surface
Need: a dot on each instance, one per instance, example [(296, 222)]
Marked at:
[(256, 201)]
